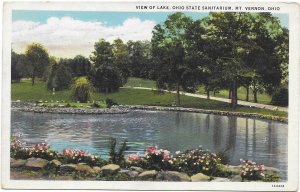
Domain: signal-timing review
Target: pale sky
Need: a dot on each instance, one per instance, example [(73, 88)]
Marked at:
[(69, 33)]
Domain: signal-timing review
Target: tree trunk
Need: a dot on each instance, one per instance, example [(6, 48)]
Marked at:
[(178, 94), (255, 95), (234, 95), (229, 93), (207, 93), (32, 80), (247, 93)]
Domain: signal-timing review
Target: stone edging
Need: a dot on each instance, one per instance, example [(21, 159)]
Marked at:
[(133, 172), (31, 107)]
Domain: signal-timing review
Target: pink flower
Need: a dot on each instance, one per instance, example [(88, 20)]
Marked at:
[(45, 147), (166, 155), (37, 147), (151, 149), (134, 157)]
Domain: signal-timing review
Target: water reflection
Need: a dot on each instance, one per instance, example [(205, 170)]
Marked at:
[(260, 140)]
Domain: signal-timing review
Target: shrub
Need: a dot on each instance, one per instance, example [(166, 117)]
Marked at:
[(223, 155), (114, 155), (106, 79), (18, 151), (157, 158), (81, 89), (251, 171), (95, 105), (196, 161), (271, 178), (280, 97), (110, 102), (80, 156), (43, 151), (60, 77)]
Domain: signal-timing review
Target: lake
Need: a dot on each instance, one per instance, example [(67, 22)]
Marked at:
[(263, 141)]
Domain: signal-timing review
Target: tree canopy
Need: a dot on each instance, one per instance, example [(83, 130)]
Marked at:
[(37, 60)]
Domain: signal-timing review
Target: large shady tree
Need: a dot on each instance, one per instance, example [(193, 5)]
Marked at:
[(37, 60), (105, 74), (169, 53), (247, 53)]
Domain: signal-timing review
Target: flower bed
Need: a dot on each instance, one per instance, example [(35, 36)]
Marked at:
[(155, 163)]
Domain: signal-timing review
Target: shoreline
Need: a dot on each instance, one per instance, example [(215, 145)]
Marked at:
[(122, 109)]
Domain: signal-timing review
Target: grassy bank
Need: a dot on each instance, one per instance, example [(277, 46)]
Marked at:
[(26, 92), (262, 97)]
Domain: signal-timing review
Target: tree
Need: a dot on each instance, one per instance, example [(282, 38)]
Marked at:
[(79, 66), (233, 32), (48, 70), (105, 75), (202, 55), (60, 77), (106, 79), (241, 35), (103, 54), (121, 59), (15, 67), (140, 58), (169, 50), (37, 60)]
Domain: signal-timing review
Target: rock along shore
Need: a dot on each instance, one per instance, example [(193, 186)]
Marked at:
[(32, 107), (113, 170)]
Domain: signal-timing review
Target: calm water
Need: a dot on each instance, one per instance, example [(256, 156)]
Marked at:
[(263, 141)]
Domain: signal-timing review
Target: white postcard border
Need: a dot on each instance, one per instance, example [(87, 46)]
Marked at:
[(293, 140)]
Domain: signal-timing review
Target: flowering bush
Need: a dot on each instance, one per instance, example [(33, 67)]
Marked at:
[(42, 151), (80, 156), (134, 157), (19, 151), (157, 158), (195, 161), (251, 171)]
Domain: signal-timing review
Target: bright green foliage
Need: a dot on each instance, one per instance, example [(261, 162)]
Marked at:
[(138, 82), (169, 49), (37, 60), (114, 155), (81, 89), (103, 54), (121, 58)]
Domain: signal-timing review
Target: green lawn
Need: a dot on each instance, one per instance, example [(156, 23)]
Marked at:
[(261, 97), (26, 92), (139, 82)]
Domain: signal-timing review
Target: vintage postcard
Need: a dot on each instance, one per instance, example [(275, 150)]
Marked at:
[(150, 95)]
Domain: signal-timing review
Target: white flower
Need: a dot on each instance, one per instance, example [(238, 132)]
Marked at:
[(177, 152)]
